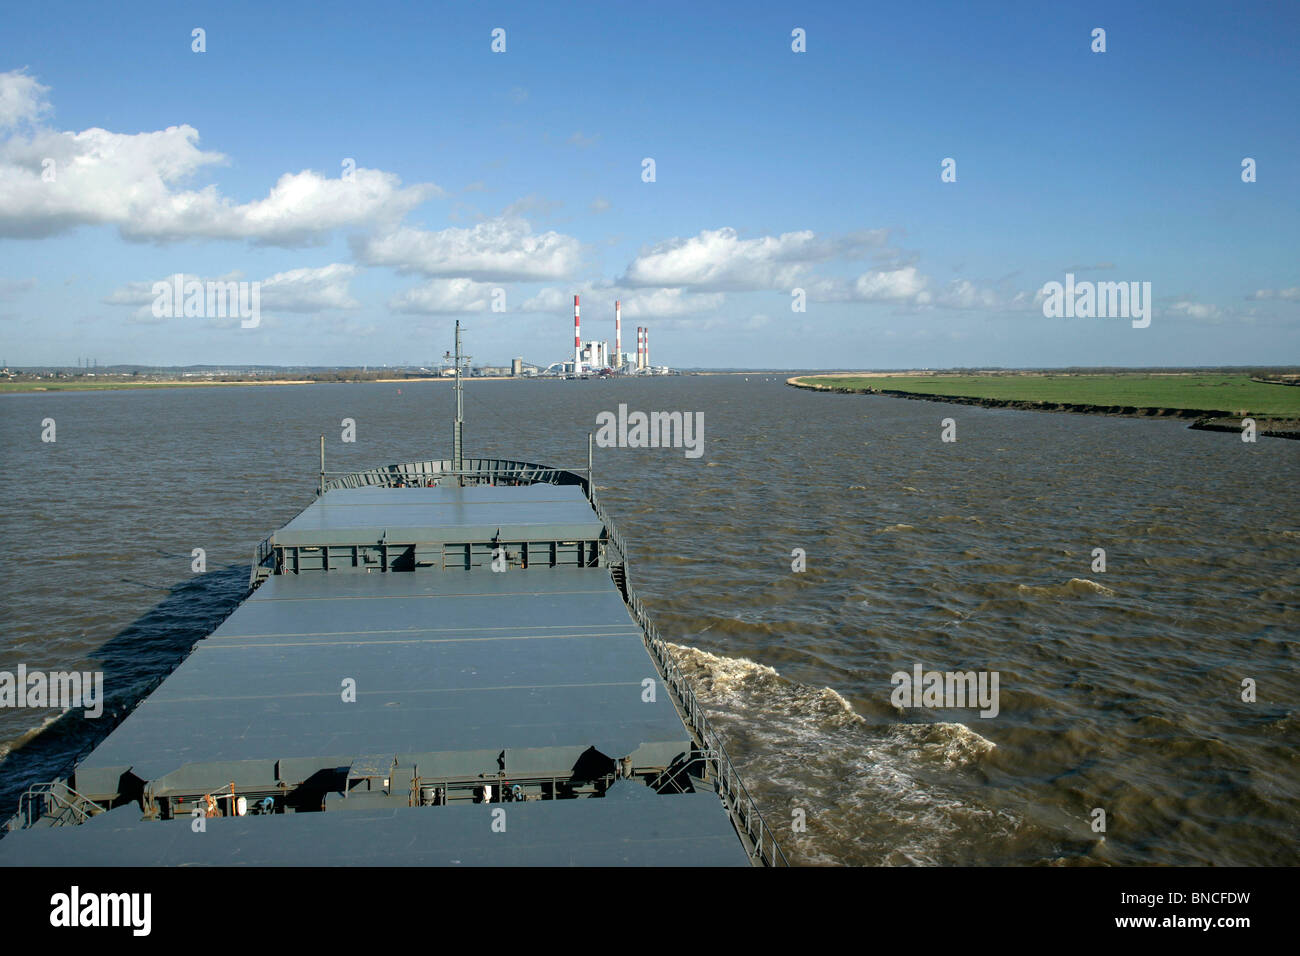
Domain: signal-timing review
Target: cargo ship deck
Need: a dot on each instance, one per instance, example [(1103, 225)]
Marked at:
[(434, 667)]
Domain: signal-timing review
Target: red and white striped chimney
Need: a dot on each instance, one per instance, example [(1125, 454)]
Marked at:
[(645, 346), (577, 340), (618, 335)]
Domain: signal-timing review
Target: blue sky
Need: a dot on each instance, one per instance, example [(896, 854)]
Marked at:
[(774, 170)]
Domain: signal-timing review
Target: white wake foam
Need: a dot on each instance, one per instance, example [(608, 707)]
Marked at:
[(868, 791)]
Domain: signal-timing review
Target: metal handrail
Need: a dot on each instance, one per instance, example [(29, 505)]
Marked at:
[(608, 522), (260, 554), (56, 791), (739, 803), (529, 472), (729, 780), (466, 472), (666, 778)]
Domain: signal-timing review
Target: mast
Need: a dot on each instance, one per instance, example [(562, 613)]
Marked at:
[(457, 461)]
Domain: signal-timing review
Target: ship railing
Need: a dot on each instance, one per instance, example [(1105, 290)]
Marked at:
[(57, 801), (259, 569), (418, 472), (739, 803), (611, 532), (736, 798)]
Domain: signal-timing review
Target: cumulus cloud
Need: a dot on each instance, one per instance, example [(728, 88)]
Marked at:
[(669, 303), (549, 300), (1194, 310), (310, 290), (22, 99), (503, 249), (908, 287), (906, 284), (134, 182), (638, 305), (445, 297), (892, 285), (964, 294), (719, 260), (298, 290)]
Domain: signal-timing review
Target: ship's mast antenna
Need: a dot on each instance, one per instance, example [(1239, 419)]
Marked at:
[(457, 461)]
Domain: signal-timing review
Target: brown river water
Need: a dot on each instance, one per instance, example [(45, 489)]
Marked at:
[(1118, 689)]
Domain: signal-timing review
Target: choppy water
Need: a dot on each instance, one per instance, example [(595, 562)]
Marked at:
[(1119, 690)]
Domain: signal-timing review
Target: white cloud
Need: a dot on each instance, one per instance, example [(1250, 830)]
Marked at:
[(445, 297), (1194, 310), (141, 293), (298, 290), (669, 303), (22, 99), (534, 205), (1290, 294), (892, 286), (964, 294), (637, 304), (133, 182), (905, 284), (549, 300), (718, 260), (310, 290), (498, 250), (600, 204)]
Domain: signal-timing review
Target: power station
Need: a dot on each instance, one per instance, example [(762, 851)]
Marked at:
[(594, 356)]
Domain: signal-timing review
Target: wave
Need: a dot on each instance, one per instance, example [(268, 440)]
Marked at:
[(739, 682), (953, 745), (1072, 586), (875, 793), (7, 748)]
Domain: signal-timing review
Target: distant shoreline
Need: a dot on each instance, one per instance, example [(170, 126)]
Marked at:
[(23, 388), (1203, 419), (81, 385)]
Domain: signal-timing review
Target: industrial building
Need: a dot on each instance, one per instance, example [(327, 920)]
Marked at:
[(595, 356)]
